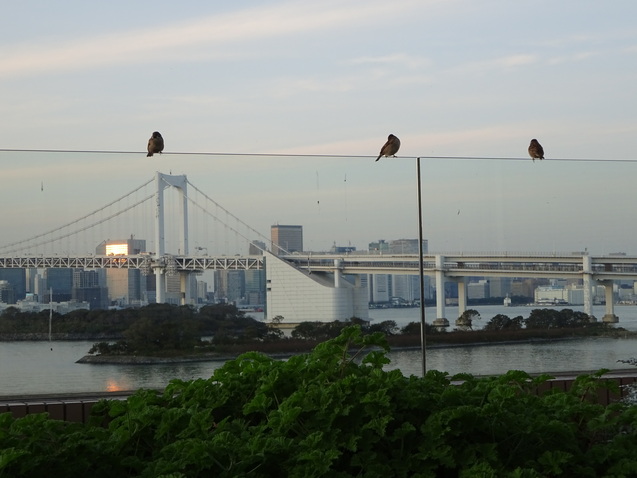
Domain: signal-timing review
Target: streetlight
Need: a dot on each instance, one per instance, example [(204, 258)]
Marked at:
[(421, 270)]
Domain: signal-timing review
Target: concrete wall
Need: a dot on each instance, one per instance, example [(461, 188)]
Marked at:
[(300, 296)]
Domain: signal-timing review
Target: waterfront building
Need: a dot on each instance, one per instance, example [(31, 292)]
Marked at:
[(500, 286), (478, 289), (379, 288), (300, 296), (560, 294), (407, 287)]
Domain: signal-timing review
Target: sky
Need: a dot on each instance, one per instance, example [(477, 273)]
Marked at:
[(465, 85)]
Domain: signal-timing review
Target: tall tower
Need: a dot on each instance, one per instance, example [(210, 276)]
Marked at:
[(286, 238), (123, 285), (163, 181)]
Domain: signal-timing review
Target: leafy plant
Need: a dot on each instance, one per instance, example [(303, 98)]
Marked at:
[(334, 412)]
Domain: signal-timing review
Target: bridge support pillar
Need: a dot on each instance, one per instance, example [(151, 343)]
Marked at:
[(160, 286), (610, 316), (337, 273), (462, 295), (587, 271), (440, 321)]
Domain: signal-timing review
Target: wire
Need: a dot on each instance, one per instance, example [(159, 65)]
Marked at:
[(302, 155)]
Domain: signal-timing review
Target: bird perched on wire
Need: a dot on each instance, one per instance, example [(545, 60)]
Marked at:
[(155, 144), (536, 150), (390, 148)]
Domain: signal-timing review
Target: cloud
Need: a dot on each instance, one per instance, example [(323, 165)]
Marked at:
[(400, 59), (574, 57), (215, 33), (501, 63)]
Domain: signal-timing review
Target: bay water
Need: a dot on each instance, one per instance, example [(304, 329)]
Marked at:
[(28, 368)]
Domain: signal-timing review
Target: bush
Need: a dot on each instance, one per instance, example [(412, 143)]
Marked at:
[(334, 412)]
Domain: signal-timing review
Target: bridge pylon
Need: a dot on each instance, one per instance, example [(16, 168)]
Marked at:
[(180, 182)]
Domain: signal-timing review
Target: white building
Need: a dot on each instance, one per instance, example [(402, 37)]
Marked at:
[(572, 295), (301, 296)]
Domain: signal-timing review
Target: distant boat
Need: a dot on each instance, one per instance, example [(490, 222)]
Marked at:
[(507, 301)]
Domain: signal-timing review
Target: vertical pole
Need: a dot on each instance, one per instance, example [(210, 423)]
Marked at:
[(421, 269), (50, 310), (160, 282)]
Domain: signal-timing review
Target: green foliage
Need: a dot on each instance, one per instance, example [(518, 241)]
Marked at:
[(318, 330), (334, 412), (503, 322), (467, 317), (551, 318)]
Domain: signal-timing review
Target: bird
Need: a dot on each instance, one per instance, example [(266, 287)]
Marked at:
[(390, 148), (155, 144), (536, 150)]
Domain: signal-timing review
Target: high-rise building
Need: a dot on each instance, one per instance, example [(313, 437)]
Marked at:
[(7, 294), (256, 248), (125, 286), (255, 287), (60, 280), (407, 246), (378, 247), (18, 280), (286, 238), (229, 285), (87, 288)]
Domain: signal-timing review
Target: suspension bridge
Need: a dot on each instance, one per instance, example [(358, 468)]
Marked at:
[(171, 216)]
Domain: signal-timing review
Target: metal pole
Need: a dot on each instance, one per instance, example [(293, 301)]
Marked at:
[(421, 269), (50, 310)]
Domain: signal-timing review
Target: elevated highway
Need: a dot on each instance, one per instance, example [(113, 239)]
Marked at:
[(602, 270)]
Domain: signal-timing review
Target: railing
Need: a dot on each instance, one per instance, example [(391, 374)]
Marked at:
[(77, 408)]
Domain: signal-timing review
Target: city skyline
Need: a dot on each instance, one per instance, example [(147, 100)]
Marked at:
[(465, 86)]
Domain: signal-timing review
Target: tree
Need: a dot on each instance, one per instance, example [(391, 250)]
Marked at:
[(542, 319), (503, 322), (387, 327), (318, 330), (467, 317), (150, 334), (413, 328)]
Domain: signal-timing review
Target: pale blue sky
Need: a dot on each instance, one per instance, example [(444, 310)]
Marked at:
[(454, 77)]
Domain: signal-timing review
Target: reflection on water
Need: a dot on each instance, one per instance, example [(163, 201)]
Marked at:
[(43, 367), (33, 368)]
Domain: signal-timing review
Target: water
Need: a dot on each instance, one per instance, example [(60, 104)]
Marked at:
[(33, 368)]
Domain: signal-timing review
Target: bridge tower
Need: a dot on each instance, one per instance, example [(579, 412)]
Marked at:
[(163, 181)]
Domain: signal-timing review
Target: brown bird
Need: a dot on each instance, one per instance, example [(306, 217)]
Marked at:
[(390, 148), (536, 150), (155, 144)]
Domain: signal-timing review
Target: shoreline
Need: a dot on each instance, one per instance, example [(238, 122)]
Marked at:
[(214, 357)]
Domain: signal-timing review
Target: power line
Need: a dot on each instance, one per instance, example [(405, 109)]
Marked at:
[(318, 156)]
